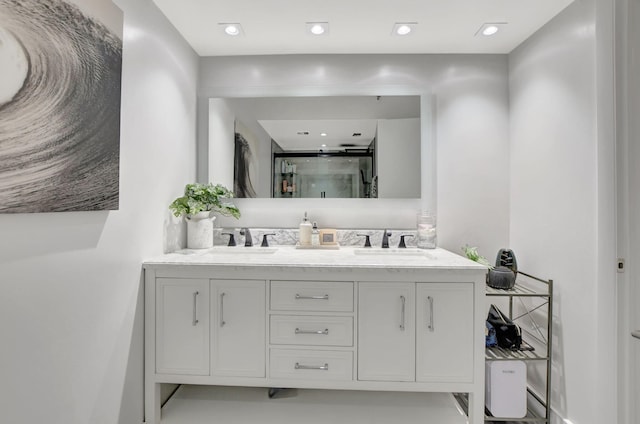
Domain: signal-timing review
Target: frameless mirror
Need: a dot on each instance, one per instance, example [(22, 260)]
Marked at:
[(317, 147)]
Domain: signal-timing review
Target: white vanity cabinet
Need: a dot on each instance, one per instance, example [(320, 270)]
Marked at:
[(182, 326), (419, 332), (309, 319), (311, 330), (386, 331), (444, 332), (238, 332)]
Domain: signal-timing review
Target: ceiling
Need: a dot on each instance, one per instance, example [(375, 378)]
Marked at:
[(297, 123), (305, 134), (357, 26)]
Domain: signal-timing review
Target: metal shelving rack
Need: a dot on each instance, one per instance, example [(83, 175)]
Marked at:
[(532, 287)]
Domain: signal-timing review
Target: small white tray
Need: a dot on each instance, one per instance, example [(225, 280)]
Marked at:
[(320, 247)]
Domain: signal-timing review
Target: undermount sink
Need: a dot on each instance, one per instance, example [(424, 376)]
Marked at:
[(241, 250), (391, 252)]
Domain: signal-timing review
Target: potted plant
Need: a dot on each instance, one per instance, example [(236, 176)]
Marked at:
[(197, 205)]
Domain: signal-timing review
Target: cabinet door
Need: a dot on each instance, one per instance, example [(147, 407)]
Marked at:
[(386, 331), (182, 326), (238, 319), (444, 332)]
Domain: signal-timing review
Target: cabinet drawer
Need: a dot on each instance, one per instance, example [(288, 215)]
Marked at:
[(311, 330), (321, 296), (311, 364)]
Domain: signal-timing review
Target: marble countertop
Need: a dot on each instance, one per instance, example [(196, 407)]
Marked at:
[(345, 257)]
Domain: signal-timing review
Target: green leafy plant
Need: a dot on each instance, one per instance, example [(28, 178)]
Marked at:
[(205, 197), (472, 253)]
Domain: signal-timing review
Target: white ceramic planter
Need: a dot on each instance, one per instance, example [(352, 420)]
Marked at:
[(200, 231)]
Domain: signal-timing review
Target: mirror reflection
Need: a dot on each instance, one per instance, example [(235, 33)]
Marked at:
[(321, 147)]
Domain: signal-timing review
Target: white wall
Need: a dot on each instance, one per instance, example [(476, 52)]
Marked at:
[(562, 213), (471, 131), (398, 158), (633, 257), (628, 202), (70, 311)]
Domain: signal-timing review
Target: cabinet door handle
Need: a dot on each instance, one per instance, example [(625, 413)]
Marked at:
[(403, 300), (324, 332), (430, 323), (324, 367), (195, 308), (222, 322), (325, 297)]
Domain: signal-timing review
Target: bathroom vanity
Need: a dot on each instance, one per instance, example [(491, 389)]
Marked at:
[(348, 319)]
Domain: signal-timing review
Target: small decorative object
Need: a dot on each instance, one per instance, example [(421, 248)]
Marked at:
[(472, 253), (507, 258), (197, 205), (426, 231), (501, 277)]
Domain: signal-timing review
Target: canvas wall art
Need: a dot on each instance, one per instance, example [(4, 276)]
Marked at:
[(245, 162), (60, 63)]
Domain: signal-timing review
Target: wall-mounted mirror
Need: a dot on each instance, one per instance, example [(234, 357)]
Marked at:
[(316, 147)]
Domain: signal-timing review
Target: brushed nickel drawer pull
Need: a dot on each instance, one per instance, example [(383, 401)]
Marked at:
[(402, 313), (222, 321), (324, 332), (430, 323), (195, 308), (324, 367), (325, 297)]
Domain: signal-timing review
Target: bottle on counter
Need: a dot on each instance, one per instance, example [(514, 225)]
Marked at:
[(305, 231), (315, 235)]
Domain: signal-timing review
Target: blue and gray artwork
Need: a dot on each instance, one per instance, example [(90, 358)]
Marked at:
[(60, 75)]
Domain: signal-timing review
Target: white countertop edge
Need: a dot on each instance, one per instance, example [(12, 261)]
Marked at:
[(287, 257)]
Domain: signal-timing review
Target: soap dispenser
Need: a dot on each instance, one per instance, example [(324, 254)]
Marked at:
[(305, 231), (315, 235)]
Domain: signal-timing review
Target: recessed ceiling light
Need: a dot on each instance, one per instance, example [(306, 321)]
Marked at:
[(490, 28), (403, 28), (323, 134), (232, 29), (318, 28), (324, 145)]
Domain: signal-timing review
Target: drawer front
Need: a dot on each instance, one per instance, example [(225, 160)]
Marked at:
[(311, 330), (320, 296), (311, 364)]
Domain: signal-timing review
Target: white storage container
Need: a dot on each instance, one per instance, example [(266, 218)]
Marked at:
[(506, 388)]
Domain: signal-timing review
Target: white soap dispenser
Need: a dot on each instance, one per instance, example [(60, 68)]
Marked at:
[(305, 231)]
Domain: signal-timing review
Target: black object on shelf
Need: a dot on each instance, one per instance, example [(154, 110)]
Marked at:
[(501, 277), (507, 258)]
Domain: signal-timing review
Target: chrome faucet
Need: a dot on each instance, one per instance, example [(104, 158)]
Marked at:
[(248, 240), (385, 239)]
